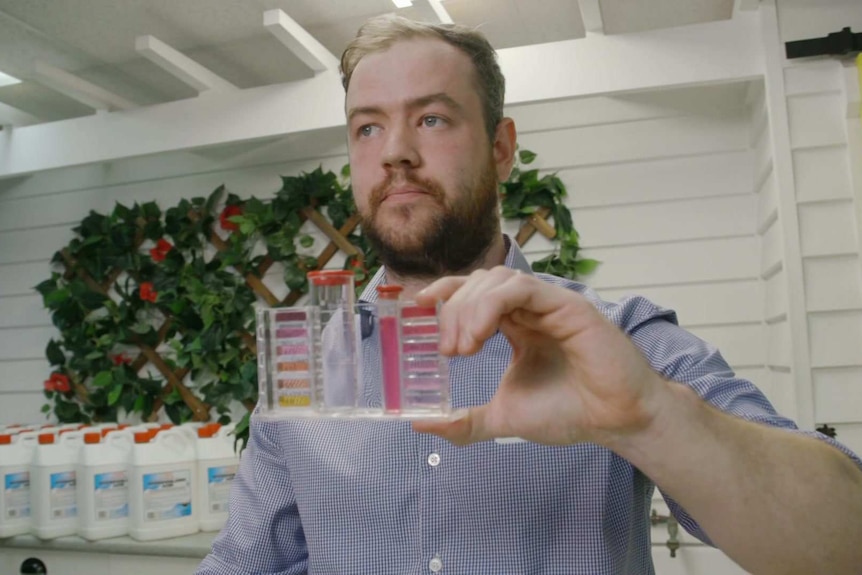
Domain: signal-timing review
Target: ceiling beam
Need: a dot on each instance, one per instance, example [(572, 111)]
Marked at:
[(180, 66), (441, 13), (702, 54), (303, 45), (591, 14), (79, 89), (740, 6), (10, 116)]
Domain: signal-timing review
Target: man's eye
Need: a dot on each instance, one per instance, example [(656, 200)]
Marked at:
[(366, 130), (432, 121)]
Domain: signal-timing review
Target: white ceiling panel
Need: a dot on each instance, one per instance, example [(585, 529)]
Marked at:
[(95, 39), (627, 16)]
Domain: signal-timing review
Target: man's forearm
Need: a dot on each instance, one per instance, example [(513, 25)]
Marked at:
[(774, 501)]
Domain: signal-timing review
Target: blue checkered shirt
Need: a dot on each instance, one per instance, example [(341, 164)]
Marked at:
[(373, 497)]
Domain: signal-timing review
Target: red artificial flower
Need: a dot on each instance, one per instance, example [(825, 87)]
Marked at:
[(148, 293), (160, 252), (229, 212), (120, 359), (57, 382)]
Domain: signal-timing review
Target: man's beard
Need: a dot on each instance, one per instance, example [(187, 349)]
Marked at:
[(453, 239)]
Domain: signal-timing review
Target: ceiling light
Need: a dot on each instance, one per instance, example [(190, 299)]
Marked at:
[(7, 80), (403, 3)]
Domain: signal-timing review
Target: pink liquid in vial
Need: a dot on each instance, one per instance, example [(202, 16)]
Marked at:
[(391, 369)]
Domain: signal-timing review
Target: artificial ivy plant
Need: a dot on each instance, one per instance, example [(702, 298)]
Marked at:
[(155, 308)]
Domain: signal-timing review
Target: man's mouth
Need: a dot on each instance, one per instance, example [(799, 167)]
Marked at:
[(398, 195)]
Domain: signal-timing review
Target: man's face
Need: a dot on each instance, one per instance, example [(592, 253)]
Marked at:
[(421, 165)]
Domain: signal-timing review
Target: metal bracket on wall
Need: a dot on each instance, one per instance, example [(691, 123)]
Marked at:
[(835, 44)]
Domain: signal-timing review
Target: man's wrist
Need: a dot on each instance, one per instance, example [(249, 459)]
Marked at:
[(674, 410)]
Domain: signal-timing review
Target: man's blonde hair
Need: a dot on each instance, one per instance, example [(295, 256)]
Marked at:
[(380, 33)]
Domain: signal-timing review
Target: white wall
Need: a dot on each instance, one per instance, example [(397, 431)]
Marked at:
[(661, 188), (823, 189)]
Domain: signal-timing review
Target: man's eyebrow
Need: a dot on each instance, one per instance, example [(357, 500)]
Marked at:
[(420, 102)]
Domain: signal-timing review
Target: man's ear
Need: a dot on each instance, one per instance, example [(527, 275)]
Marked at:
[(505, 142)]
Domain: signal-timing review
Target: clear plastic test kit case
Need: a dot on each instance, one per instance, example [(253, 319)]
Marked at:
[(338, 358)]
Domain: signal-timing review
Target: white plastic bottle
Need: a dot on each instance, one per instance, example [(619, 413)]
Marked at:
[(53, 496), (162, 485), (103, 484), (16, 452), (217, 467)]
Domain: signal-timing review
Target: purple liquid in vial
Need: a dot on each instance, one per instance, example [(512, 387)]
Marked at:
[(391, 367)]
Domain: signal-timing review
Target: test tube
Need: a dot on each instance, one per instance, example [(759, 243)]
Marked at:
[(390, 345), (331, 293), (424, 371)]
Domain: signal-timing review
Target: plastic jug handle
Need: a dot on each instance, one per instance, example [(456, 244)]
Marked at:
[(71, 436)]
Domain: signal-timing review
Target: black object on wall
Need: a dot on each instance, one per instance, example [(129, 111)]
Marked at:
[(835, 44)]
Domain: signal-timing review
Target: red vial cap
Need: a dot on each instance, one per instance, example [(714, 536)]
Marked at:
[(92, 437), (123, 426), (143, 436), (46, 438), (5, 439), (390, 291), (165, 426), (330, 277)]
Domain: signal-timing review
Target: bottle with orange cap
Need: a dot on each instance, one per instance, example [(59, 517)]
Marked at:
[(217, 463), (162, 485), (16, 452), (102, 484), (54, 501)]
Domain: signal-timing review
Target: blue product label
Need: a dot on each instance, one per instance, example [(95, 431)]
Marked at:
[(63, 498), (16, 495), (111, 495), (219, 481), (167, 495)]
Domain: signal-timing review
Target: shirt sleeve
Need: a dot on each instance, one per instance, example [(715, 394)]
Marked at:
[(682, 357), (263, 534)]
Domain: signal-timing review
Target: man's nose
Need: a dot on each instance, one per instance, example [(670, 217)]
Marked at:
[(400, 149)]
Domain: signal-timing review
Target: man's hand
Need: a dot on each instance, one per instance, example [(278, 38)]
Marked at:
[(574, 376)]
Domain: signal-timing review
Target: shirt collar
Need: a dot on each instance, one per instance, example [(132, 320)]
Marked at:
[(515, 260)]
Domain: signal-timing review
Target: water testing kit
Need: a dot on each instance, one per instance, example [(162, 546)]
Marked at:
[(338, 358)]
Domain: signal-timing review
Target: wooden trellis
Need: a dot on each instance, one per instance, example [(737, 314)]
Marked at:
[(338, 240)]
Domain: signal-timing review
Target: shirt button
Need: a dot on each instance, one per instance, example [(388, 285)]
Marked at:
[(435, 565), (434, 461)]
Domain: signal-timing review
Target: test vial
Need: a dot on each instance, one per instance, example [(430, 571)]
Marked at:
[(331, 296), (390, 345), (424, 370)]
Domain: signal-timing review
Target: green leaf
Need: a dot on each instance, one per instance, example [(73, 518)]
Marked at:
[(141, 328), (526, 156), (306, 241), (103, 379), (46, 408), (345, 171), (246, 225), (586, 266), (55, 354), (115, 394)]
